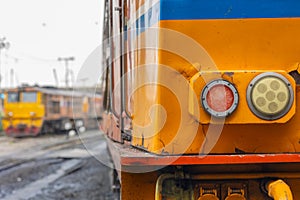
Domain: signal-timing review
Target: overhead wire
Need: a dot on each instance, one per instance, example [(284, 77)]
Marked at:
[(11, 59), (22, 56), (26, 56)]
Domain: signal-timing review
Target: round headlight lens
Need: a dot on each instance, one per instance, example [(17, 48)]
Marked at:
[(79, 123), (68, 125), (219, 98), (32, 114), (270, 96)]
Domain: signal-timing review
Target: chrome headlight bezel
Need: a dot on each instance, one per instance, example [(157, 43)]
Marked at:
[(258, 80), (209, 109)]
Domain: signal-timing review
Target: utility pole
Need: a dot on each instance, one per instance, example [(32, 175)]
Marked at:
[(72, 76), (55, 77), (3, 45), (12, 78), (66, 60)]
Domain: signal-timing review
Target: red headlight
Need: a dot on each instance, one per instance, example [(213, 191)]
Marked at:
[(219, 98)]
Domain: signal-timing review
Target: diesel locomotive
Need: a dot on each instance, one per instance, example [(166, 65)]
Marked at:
[(202, 98), (30, 111)]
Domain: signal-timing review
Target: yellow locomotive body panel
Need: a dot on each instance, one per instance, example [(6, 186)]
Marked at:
[(175, 55), (24, 117), (237, 56)]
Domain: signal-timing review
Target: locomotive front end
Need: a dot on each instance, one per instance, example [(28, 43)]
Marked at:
[(202, 98), (23, 113)]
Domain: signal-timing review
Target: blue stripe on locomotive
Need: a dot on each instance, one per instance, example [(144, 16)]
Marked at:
[(216, 9), (146, 21), (228, 9)]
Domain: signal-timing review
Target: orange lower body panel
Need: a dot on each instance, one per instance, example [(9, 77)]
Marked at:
[(139, 173)]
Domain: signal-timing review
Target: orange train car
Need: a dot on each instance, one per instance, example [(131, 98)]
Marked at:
[(202, 98), (30, 111)]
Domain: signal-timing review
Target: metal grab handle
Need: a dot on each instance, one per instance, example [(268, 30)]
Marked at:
[(124, 101), (112, 102), (110, 64), (124, 96)]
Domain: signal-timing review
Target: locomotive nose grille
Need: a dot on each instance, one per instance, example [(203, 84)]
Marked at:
[(21, 126)]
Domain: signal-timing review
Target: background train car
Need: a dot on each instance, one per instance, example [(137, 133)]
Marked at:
[(35, 110), (202, 98)]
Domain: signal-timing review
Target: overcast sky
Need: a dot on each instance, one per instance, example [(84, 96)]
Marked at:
[(40, 31)]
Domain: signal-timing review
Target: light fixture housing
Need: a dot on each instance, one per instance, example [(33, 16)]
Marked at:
[(270, 96), (32, 114), (10, 114), (219, 98), (67, 125)]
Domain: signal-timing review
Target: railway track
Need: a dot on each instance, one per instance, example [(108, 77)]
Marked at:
[(55, 168)]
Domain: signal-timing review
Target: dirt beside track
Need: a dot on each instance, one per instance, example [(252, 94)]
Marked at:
[(55, 167)]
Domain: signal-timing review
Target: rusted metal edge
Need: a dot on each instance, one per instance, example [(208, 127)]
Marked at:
[(129, 156)]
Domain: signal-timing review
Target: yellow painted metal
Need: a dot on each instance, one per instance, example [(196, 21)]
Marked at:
[(226, 187), (235, 197), (244, 44), (241, 131), (241, 80), (138, 186), (236, 50), (208, 197), (279, 190), (162, 122), (30, 114), (85, 105)]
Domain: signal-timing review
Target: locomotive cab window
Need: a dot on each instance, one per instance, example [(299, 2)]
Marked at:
[(29, 97), (13, 97)]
